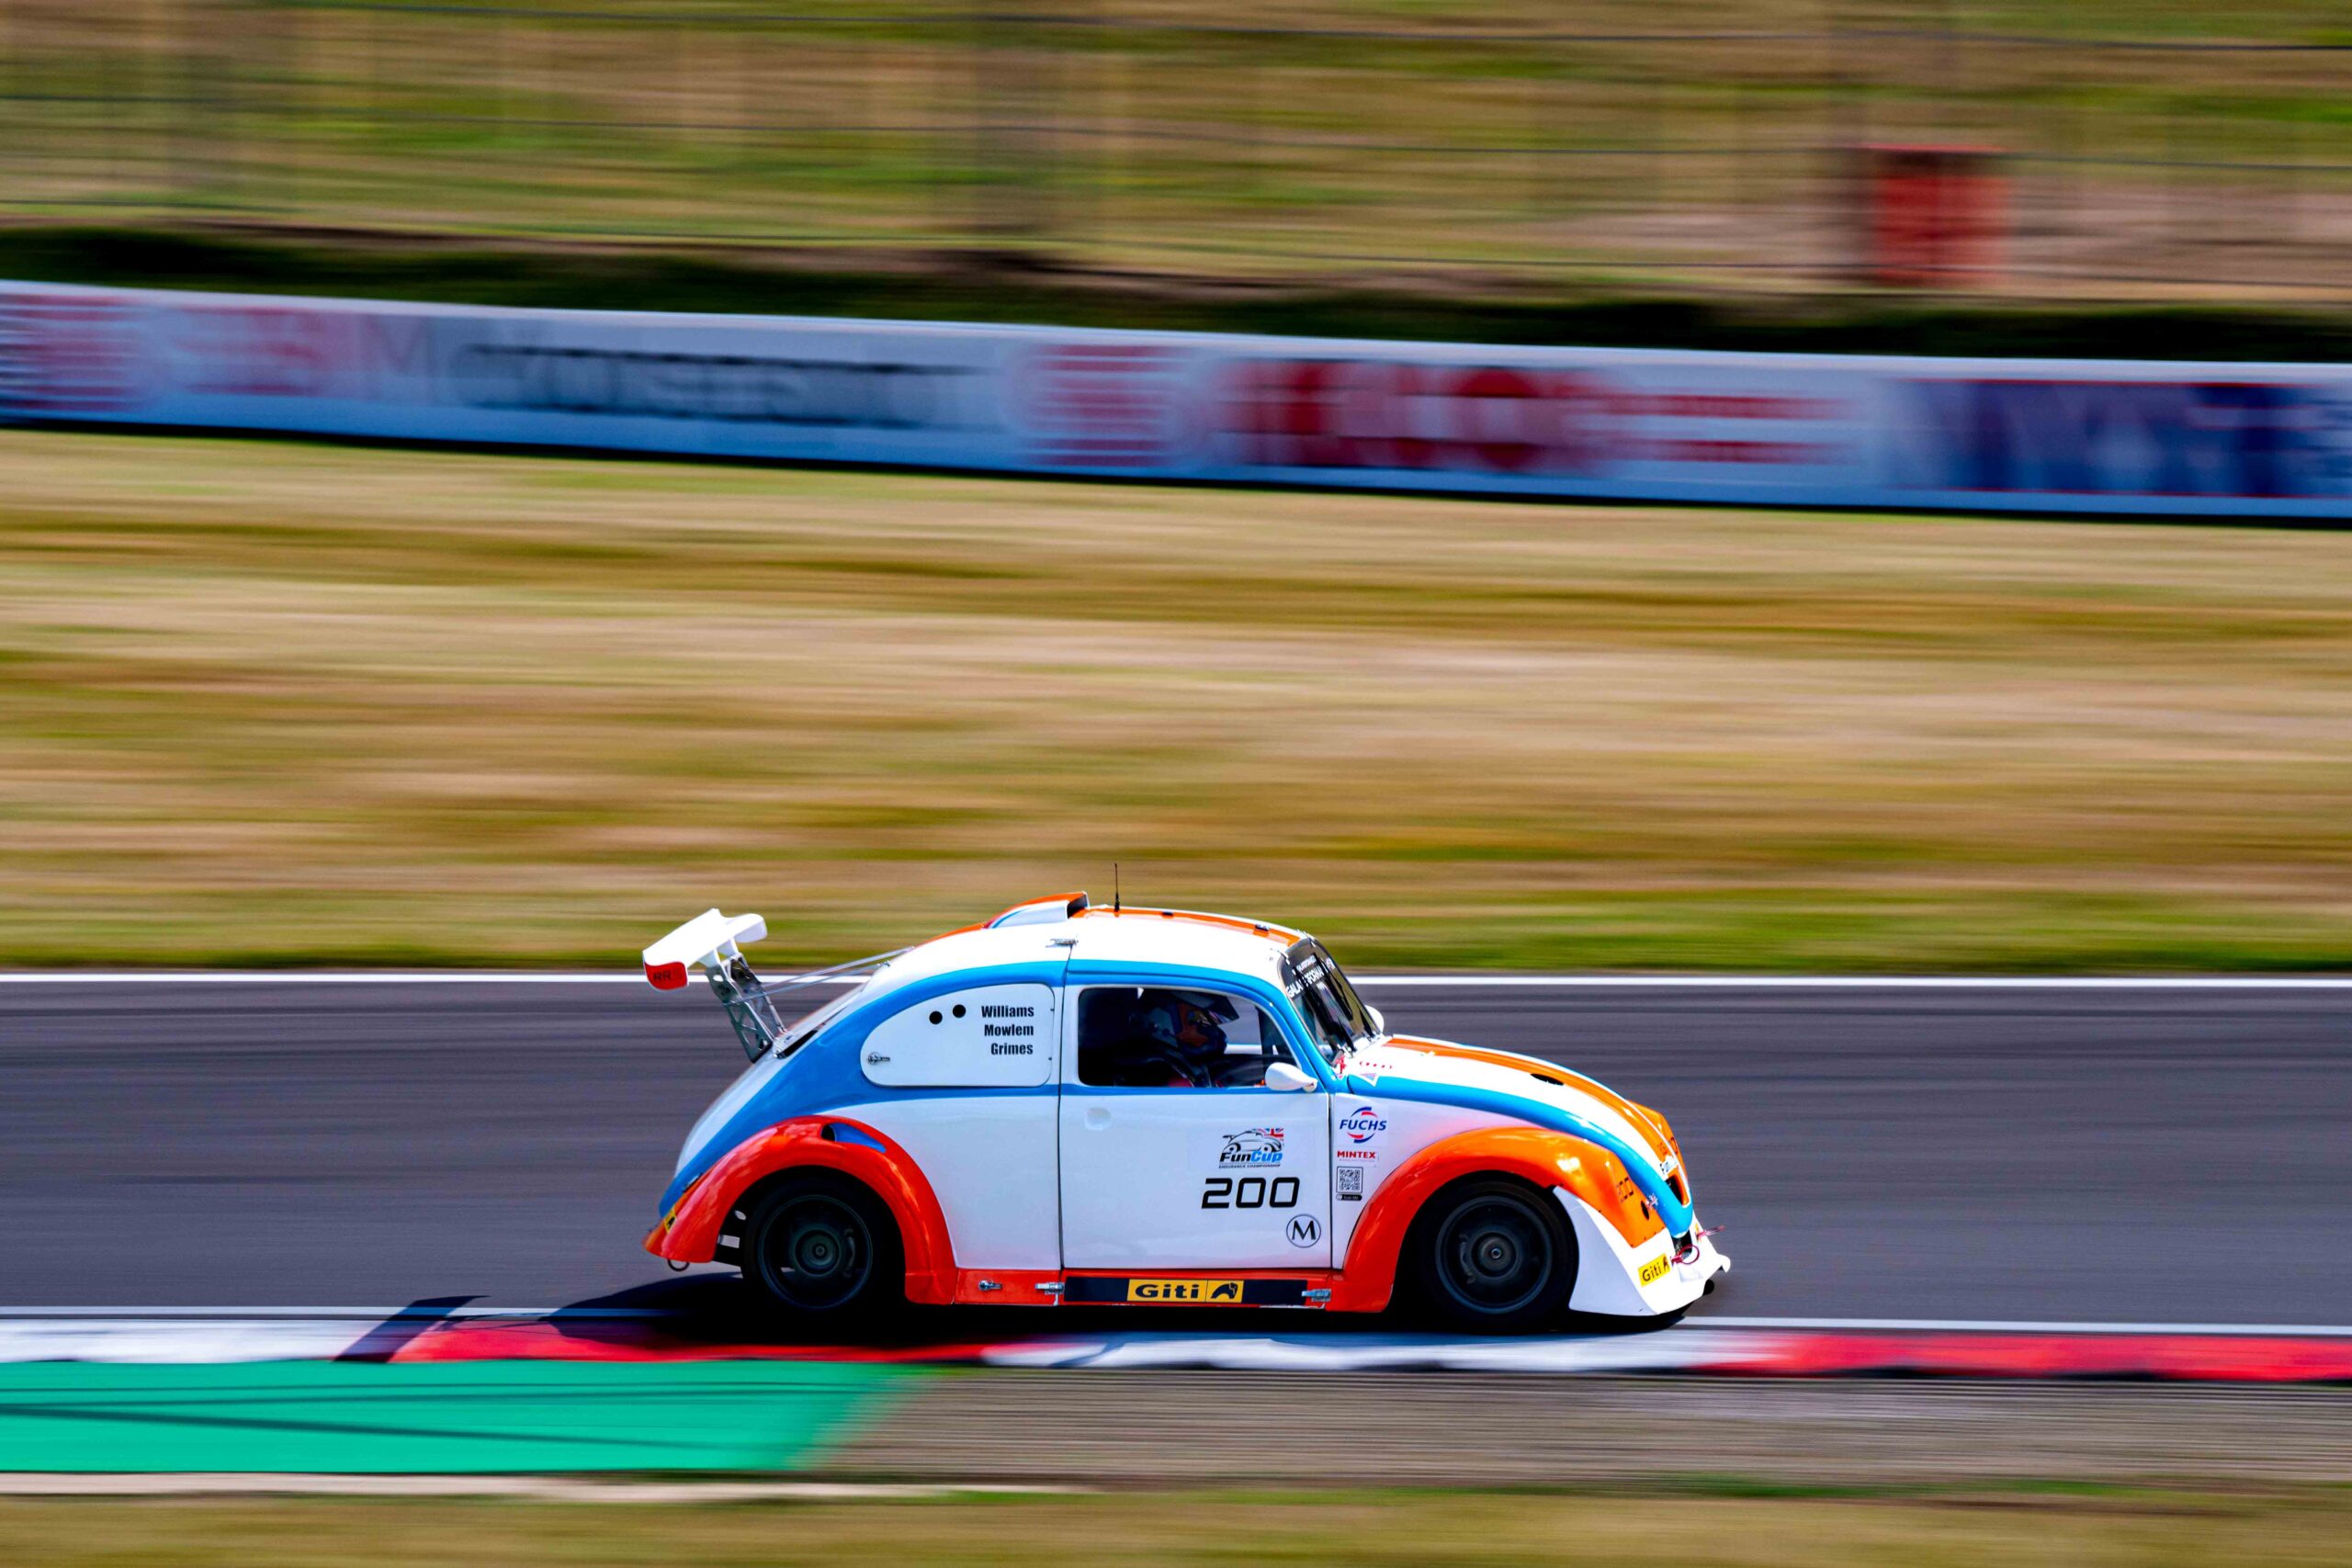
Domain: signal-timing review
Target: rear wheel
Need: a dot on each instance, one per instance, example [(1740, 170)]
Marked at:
[(821, 1247), (1496, 1257)]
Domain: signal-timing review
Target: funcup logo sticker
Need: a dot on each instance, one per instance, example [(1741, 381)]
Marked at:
[(1255, 1146), (1362, 1124)]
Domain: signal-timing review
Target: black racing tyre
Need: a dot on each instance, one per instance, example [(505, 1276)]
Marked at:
[(822, 1246), (1494, 1257)]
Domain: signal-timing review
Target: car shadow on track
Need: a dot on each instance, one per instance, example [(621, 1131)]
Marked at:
[(716, 1309)]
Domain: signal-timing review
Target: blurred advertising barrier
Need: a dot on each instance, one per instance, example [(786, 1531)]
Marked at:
[(1934, 216), (1791, 430)]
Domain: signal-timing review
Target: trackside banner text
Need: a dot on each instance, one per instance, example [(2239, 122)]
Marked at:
[(1800, 429)]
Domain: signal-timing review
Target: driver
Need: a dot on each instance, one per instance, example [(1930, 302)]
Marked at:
[(1176, 1038)]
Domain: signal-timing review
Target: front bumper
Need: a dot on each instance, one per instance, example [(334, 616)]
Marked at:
[(1616, 1279)]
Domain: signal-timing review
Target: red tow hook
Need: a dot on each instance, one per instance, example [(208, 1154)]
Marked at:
[(1690, 1253)]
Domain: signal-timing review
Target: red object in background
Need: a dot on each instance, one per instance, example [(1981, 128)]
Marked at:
[(1935, 215)]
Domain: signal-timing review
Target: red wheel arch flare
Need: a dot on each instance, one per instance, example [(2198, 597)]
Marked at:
[(689, 1233), (1547, 1159)]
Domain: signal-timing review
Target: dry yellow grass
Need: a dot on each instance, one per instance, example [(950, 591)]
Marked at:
[(280, 703), (2022, 1529)]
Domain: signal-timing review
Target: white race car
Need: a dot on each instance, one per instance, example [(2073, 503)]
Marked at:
[(1070, 1103)]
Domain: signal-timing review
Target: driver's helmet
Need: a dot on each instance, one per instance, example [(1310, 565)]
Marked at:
[(1189, 1024)]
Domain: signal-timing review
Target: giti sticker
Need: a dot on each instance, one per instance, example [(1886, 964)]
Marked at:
[(1206, 1292), (1652, 1272)]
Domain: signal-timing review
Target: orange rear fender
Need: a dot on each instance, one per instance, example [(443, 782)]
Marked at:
[(689, 1233)]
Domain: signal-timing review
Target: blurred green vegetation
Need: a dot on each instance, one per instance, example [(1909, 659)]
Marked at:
[(2183, 152), (1007, 288), (271, 702)]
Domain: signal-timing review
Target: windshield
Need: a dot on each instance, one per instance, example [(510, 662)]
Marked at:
[(1334, 1013)]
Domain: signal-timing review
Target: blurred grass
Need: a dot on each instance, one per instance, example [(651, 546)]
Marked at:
[(267, 703), (2087, 1527)]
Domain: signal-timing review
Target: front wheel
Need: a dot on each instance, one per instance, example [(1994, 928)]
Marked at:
[(821, 1247), (1496, 1257)]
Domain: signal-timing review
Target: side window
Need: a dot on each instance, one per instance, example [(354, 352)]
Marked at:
[(1165, 1037), (988, 1037)]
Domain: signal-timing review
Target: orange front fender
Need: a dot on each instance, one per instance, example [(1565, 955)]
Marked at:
[(689, 1233), (1651, 1125), (1547, 1159)]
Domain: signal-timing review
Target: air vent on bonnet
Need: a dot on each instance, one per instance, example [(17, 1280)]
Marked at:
[(1546, 1078)]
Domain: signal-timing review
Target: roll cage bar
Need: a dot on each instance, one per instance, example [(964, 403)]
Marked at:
[(750, 1001)]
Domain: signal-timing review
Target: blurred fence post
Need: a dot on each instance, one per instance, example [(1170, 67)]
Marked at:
[(1111, 151), (1849, 129), (979, 159), (11, 112), (283, 84), (214, 101), (1042, 52)]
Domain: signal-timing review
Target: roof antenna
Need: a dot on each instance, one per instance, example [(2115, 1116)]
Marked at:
[(1114, 888)]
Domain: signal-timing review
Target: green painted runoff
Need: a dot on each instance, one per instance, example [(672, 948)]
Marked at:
[(458, 1418)]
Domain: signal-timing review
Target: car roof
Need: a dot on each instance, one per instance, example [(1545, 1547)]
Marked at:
[(1218, 943)]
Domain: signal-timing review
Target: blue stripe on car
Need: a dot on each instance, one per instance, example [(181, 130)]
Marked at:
[(824, 1074), (1678, 1215)]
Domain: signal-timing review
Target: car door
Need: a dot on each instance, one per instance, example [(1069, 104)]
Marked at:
[(1187, 1179), (965, 1081)]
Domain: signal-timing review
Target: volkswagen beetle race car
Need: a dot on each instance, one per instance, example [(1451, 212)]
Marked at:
[(1070, 1104)]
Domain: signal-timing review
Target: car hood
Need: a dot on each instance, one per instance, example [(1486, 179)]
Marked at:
[(1408, 1068)]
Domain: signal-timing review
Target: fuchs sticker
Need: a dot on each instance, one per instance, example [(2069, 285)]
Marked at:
[(1362, 1124), (1654, 1271), (1253, 1145), (1202, 1291)]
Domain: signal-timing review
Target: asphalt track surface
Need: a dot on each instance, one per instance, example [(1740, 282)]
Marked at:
[(2158, 1155)]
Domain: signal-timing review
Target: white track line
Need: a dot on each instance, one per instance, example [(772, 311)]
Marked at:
[(1465, 982)]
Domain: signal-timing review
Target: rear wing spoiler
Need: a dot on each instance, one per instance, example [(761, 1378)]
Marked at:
[(715, 942)]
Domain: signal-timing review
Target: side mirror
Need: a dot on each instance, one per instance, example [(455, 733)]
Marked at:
[(1379, 1023), (1282, 1076)]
